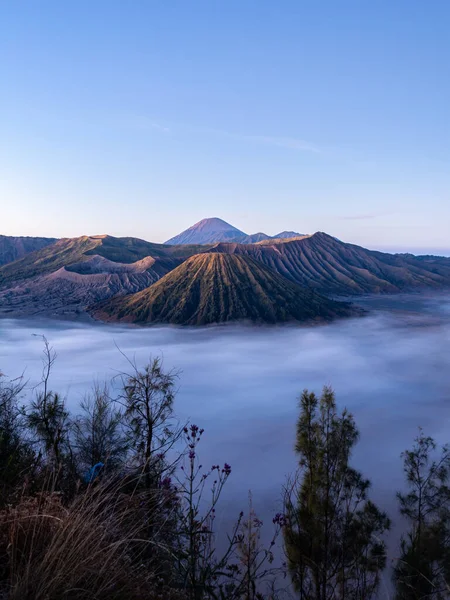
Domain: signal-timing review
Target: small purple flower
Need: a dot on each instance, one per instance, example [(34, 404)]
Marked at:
[(166, 483), (279, 519), (192, 455), (226, 469)]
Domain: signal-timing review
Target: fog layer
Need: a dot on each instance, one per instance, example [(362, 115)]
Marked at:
[(390, 369)]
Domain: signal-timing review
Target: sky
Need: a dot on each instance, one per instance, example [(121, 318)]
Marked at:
[(140, 118)]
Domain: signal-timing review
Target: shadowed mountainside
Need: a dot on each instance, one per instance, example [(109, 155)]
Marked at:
[(217, 288), (14, 248), (332, 267)]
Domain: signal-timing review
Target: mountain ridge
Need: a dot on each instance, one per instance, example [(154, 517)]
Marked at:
[(213, 288), (70, 274), (337, 268), (66, 251)]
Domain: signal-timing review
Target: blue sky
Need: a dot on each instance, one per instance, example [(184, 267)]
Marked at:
[(141, 118)]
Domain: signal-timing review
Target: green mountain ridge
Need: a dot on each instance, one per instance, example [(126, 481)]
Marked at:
[(218, 288), (332, 267)]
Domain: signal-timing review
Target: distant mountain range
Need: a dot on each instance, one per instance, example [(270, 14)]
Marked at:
[(288, 277), (209, 231)]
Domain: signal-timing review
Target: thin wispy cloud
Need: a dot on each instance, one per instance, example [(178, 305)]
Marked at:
[(290, 143), (359, 217), (281, 142), (142, 123), (159, 127)]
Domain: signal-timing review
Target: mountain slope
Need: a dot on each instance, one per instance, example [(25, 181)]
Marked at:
[(333, 267), (14, 248), (208, 231), (217, 288), (73, 273)]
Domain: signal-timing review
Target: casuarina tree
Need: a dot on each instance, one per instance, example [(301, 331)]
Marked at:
[(17, 458), (423, 568), (333, 532), (148, 396), (98, 431), (48, 420)]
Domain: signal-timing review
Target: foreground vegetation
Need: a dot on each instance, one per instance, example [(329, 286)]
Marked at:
[(114, 503)]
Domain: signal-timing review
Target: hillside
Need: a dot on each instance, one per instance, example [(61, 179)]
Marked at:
[(69, 251), (217, 288), (331, 267), (14, 248), (72, 273)]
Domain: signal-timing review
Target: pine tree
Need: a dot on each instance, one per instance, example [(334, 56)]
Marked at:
[(423, 568), (333, 531)]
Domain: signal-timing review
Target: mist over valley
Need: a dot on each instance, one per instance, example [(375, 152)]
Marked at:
[(241, 384)]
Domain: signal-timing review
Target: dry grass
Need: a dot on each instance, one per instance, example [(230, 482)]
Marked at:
[(96, 548)]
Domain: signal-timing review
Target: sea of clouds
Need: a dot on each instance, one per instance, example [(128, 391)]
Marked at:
[(391, 369)]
